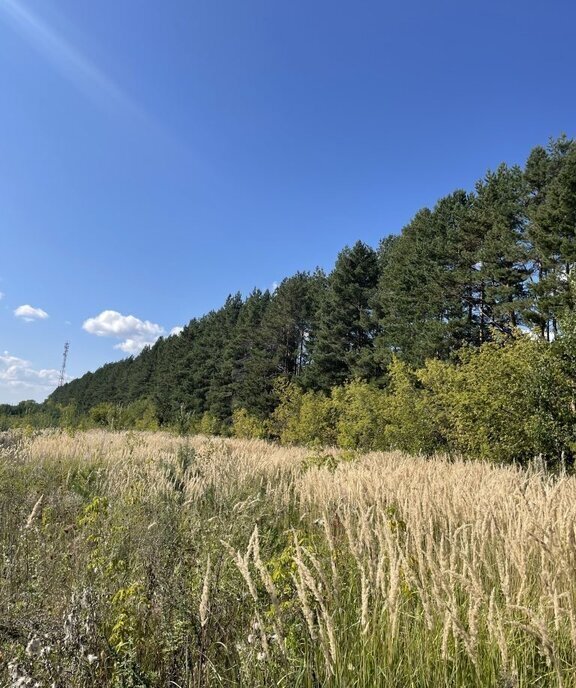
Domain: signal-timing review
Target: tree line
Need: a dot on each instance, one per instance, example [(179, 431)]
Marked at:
[(484, 275)]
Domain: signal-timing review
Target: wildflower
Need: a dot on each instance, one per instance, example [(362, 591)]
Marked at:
[(261, 656), (91, 659)]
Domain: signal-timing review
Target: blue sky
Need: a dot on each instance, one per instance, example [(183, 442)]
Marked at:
[(157, 156)]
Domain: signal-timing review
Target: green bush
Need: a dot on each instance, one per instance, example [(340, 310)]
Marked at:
[(509, 403), (304, 417), (247, 426), (411, 409), (209, 425), (361, 416)]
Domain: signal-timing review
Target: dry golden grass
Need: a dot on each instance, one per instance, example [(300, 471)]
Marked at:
[(391, 566)]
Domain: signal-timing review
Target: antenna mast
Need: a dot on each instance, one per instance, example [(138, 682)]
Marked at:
[(63, 369)]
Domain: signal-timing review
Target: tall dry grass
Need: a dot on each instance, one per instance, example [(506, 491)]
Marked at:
[(144, 559)]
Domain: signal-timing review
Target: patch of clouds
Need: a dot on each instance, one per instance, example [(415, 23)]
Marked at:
[(19, 379), (134, 333), (29, 313), (176, 330), (2, 295)]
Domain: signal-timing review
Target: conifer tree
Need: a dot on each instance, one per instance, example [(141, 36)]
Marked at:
[(289, 323), (343, 345), (551, 178), (423, 289), (475, 265), (208, 382), (241, 381), (498, 220)]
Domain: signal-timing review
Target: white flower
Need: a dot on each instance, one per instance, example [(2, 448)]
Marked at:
[(91, 659), (250, 638), (261, 656)]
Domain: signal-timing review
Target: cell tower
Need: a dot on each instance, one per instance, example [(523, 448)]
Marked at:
[(63, 369)]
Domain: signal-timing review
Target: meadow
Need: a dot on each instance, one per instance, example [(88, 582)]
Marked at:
[(136, 559)]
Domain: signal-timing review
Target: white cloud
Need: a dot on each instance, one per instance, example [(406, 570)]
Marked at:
[(29, 313), (2, 295), (20, 380), (176, 330), (133, 346), (135, 333)]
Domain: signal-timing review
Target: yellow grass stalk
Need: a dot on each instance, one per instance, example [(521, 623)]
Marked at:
[(34, 513), (204, 600)]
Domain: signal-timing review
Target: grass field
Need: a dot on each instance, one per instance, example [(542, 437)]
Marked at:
[(145, 559)]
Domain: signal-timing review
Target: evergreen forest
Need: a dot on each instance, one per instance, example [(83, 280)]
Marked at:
[(456, 335)]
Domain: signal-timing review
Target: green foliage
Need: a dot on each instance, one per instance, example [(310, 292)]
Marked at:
[(342, 346), (247, 426), (140, 415), (386, 351), (424, 300), (551, 177), (509, 403), (412, 425), (329, 461), (304, 417), (106, 415), (209, 424), (290, 321), (361, 411), (69, 416), (183, 421)]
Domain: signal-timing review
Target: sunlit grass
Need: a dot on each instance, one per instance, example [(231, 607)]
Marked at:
[(145, 559)]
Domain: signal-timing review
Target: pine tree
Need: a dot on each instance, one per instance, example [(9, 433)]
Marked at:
[(207, 381), (422, 300), (499, 219), (240, 381), (289, 323), (343, 346), (551, 177)]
